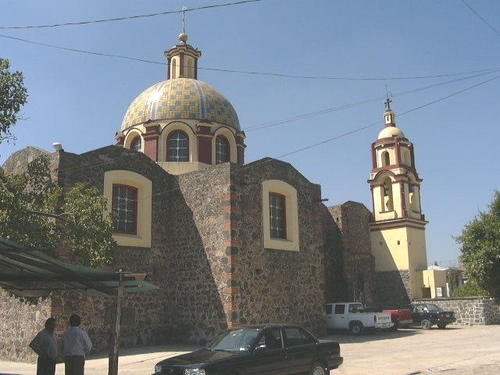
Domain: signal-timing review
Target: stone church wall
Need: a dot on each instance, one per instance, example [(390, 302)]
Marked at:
[(352, 219), (279, 285), (20, 321), (393, 289)]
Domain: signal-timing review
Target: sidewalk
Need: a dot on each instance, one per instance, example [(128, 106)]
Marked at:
[(132, 361)]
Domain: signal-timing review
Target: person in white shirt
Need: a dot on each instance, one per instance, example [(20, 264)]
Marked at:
[(76, 346), (45, 345)]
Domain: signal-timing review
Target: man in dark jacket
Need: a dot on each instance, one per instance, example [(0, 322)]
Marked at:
[(45, 345)]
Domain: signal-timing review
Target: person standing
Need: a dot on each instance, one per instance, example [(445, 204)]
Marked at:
[(76, 346), (45, 345)]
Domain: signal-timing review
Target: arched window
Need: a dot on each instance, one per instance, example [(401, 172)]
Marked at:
[(222, 150), (136, 144), (174, 69), (385, 159), (124, 206), (387, 202), (178, 146)]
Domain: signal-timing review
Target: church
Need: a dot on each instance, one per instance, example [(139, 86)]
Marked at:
[(230, 243)]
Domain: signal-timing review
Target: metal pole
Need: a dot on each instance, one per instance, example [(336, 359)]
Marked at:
[(115, 340)]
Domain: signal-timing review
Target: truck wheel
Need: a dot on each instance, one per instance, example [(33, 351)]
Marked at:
[(356, 328), (441, 325), (426, 324), (317, 369)]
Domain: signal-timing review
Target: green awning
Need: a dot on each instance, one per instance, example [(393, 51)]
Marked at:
[(30, 272)]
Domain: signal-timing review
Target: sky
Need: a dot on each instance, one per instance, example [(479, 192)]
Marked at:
[(80, 100)]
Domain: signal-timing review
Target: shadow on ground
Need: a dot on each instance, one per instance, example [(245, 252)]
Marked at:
[(343, 337)]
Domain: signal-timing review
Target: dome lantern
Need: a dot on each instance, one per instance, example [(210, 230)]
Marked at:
[(182, 60)]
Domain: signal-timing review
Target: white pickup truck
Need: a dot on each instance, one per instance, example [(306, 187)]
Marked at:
[(351, 316)]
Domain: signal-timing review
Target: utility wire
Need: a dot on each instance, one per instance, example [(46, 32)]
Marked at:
[(125, 18), (355, 104), (313, 145), (377, 122), (481, 18), (281, 75)]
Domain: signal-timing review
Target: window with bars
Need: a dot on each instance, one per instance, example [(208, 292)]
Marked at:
[(124, 207), (136, 144), (277, 215), (178, 146), (222, 150)]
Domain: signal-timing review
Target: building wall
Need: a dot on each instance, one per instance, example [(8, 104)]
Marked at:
[(393, 288), (434, 279), (279, 285), (390, 249), (353, 220), (20, 321)]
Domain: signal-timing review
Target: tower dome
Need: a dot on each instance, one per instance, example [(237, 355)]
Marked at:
[(181, 99)]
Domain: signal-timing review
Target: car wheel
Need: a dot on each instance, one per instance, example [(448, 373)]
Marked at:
[(441, 325), (356, 328), (426, 324), (318, 369)]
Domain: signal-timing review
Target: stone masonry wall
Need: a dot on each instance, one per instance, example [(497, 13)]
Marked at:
[(393, 289), (20, 321), (470, 311), (277, 285), (359, 267)]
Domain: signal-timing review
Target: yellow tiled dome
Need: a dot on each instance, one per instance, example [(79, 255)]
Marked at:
[(181, 99)]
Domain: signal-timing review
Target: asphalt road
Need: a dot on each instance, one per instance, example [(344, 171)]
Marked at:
[(453, 351)]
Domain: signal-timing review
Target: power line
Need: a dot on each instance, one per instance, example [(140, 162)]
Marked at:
[(125, 18), (355, 104), (481, 18), (280, 75), (377, 122)]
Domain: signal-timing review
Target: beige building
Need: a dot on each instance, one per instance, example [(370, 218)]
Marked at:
[(397, 232)]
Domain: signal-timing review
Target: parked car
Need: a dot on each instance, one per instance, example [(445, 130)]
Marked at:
[(400, 317), (260, 350), (354, 317), (428, 314)]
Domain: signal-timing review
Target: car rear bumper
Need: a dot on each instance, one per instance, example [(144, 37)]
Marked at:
[(405, 322), (384, 325), (335, 363)]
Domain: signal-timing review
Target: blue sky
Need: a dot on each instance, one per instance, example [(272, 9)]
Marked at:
[(79, 100)]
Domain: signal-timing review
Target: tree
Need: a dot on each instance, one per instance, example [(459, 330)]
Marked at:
[(13, 96), (480, 242), (35, 212)]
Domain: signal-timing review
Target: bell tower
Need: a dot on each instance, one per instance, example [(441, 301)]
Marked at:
[(397, 232)]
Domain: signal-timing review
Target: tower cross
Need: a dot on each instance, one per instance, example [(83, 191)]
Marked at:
[(184, 9), (388, 102)]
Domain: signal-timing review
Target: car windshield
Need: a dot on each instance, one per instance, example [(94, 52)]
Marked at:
[(434, 308), (236, 340)]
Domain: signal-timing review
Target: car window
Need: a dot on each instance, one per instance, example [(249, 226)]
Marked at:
[(295, 336), (235, 340), (328, 309), (355, 307), (419, 308), (339, 309), (271, 339)]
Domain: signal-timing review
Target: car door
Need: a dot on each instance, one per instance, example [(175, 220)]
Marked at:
[(300, 349), (268, 356), (340, 317)]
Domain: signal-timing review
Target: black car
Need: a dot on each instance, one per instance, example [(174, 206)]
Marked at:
[(428, 314), (259, 350)]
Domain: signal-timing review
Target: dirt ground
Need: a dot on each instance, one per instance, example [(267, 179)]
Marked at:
[(453, 351)]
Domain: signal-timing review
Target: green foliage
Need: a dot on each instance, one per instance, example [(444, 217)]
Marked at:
[(35, 212), (471, 289), (480, 242), (13, 96)]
